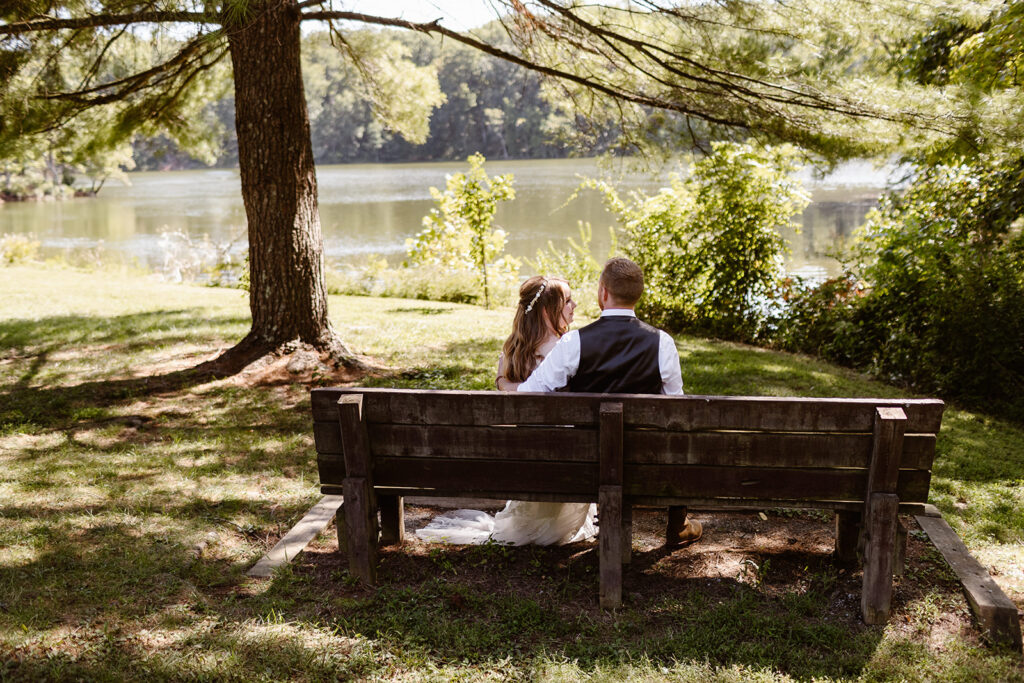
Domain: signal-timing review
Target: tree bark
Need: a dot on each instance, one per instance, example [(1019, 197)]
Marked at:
[(287, 295)]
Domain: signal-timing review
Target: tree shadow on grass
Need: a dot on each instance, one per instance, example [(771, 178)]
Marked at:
[(118, 335), (481, 606)]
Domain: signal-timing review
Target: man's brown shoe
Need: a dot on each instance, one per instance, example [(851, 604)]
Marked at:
[(690, 533)]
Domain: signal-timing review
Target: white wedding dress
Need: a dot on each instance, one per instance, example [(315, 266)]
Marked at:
[(520, 522)]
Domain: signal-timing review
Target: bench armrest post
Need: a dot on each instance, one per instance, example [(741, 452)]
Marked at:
[(881, 508), (610, 504), (360, 505)]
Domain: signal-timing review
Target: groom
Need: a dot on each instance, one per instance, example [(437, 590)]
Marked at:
[(617, 354)]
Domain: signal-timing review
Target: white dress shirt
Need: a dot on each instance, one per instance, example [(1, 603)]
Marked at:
[(562, 363)]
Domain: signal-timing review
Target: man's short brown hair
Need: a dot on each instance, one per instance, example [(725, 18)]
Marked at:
[(624, 280)]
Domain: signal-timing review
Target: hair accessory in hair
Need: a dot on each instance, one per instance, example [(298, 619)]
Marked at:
[(536, 296)]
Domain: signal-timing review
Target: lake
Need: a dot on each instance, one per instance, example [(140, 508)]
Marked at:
[(372, 208)]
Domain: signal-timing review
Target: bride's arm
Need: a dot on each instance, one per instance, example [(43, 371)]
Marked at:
[(503, 383)]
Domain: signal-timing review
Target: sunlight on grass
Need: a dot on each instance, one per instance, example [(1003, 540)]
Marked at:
[(127, 522)]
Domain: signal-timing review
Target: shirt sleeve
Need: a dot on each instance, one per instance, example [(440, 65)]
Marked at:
[(668, 363), (557, 367)]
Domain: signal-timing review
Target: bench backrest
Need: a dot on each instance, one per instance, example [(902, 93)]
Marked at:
[(696, 450)]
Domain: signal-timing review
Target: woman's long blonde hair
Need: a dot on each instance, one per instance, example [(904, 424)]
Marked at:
[(541, 301)]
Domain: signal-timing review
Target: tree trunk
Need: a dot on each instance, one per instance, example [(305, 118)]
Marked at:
[(287, 296)]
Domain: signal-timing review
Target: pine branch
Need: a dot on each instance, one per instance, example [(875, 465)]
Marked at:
[(611, 91), (18, 28)]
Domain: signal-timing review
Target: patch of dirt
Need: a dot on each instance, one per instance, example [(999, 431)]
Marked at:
[(785, 555)]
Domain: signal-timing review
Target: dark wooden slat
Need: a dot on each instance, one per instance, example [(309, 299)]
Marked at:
[(611, 444), (698, 481), (640, 446), (695, 503), (486, 475), (508, 478), (766, 449), (519, 443), (879, 553), (610, 542), (666, 412)]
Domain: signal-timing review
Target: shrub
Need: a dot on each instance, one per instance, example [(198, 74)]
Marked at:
[(578, 265), (459, 233), (943, 311), (18, 249), (945, 262), (710, 245), (428, 282)]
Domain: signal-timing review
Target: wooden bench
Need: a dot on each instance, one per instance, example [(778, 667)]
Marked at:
[(866, 459)]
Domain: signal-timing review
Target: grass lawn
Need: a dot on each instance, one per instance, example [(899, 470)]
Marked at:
[(132, 501)]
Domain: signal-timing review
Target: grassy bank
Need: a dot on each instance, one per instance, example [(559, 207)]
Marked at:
[(132, 500)]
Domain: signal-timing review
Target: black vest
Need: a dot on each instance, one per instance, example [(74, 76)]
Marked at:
[(618, 355)]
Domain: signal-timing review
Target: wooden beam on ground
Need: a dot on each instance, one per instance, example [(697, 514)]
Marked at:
[(995, 612), (296, 540)]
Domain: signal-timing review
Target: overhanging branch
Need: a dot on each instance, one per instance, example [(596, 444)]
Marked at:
[(18, 28), (435, 27)]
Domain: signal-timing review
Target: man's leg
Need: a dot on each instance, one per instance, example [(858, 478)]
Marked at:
[(681, 530)]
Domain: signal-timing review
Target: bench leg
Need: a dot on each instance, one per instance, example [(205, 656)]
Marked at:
[(339, 522), (361, 525), (847, 535), (610, 540), (899, 561), (392, 520), (627, 532), (879, 553)]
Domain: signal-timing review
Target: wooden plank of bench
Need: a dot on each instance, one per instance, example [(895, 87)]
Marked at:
[(474, 476), (695, 481), (641, 446), (696, 503), (298, 537), (995, 612), (410, 406), (768, 449)]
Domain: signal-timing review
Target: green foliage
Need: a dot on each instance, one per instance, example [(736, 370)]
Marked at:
[(710, 245), (459, 234), (817, 319), (944, 265), (49, 131), (18, 249), (427, 281), (578, 265)]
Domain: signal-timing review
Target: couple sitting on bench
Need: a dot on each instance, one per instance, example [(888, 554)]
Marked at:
[(615, 354)]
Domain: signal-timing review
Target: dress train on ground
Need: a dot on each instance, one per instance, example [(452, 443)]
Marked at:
[(519, 523)]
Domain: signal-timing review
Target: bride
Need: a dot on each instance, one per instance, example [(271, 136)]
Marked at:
[(543, 315)]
